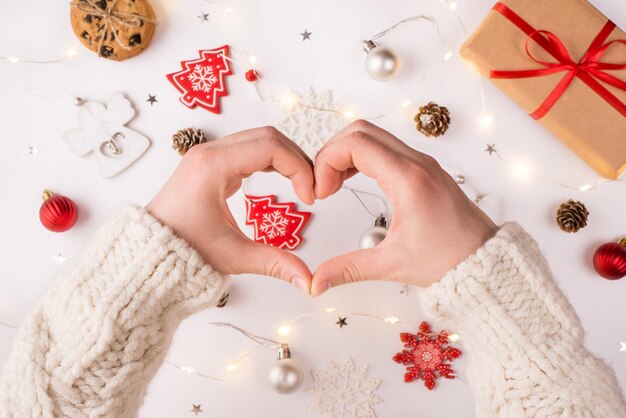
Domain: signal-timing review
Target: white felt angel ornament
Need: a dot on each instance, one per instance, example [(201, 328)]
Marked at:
[(103, 132)]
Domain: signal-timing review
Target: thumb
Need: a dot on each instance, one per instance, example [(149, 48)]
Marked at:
[(255, 258), (352, 267)]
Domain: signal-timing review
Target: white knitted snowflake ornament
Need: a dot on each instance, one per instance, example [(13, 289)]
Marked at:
[(344, 391), (311, 121)]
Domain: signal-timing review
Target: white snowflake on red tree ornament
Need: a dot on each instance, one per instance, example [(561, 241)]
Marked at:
[(202, 78), (275, 224), (427, 356), (203, 81)]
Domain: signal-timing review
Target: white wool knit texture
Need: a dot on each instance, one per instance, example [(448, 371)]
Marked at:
[(97, 338)]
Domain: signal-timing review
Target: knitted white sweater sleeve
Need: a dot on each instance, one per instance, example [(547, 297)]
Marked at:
[(523, 339), (97, 338)]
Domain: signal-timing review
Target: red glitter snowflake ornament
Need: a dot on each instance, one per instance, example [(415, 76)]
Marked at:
[(427, 356), (203, 81), (275, 224)]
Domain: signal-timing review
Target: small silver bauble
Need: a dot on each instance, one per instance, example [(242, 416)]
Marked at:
[(285, 375), (381, 62), (375, 235)]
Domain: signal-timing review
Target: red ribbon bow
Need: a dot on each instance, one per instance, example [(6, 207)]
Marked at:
[(589, 69)]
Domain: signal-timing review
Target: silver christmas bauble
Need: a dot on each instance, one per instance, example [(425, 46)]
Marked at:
[(381, 62), (375, 235), (285, 375)]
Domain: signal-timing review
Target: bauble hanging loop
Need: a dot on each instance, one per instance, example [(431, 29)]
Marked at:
[(381, 62), (374, 235), (609, 260), (285, 375), (57, 213)]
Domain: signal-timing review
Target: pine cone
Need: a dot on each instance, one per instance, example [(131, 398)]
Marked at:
[(187, 138), (572, 216), (432, 120), (223, 300)]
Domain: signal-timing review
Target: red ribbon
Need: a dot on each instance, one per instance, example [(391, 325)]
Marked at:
[(589, 69)]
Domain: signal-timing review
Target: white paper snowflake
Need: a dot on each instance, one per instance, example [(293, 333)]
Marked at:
[(202, 78), (344, 391), (309, 123), (274, 224)]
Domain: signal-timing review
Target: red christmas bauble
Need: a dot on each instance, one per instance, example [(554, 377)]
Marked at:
[(57, 213), (252, 76), (609, 260)]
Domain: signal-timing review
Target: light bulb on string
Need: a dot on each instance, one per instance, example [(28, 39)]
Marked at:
[(13, 60), (71, 51), (486, 119), (521, 171), (452, 5), (284, 330), (349, 114)]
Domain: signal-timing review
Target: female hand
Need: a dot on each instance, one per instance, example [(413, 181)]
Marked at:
[(434, 225), (193, 201)]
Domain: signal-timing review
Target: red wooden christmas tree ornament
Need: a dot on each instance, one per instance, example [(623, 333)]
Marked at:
[(275, 224), (609, 260), (203, 81), (57, 213), (427, 356)]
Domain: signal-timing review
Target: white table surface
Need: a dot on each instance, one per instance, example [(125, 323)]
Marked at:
[(333, 60)]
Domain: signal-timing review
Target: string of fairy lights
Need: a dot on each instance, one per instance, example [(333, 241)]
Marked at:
[(486, 120), (69, 53), (520, 170), (283, 331)]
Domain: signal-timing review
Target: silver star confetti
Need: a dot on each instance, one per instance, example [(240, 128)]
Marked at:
[(196, 409), (204, 17), (151, 99), (491, 148), (59, 259), (342, 321), (306, 35), (406, 290), (33, 150), (623, 346)]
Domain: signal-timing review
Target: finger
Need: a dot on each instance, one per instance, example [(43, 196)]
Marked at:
[(374, 131), (248, 157), (261, 132), (357, 150), (265, 260), (356, 266)]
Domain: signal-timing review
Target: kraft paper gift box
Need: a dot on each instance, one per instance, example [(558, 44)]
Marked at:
[(531, 49)]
